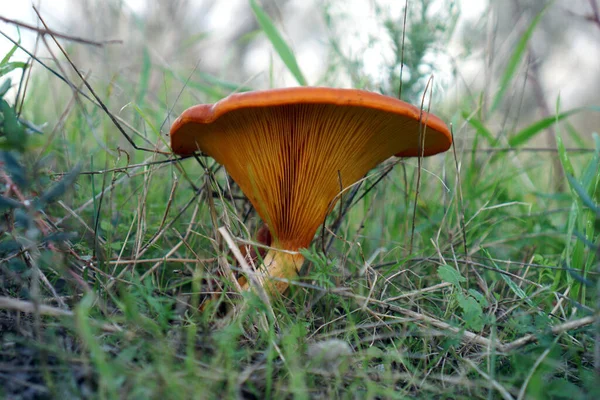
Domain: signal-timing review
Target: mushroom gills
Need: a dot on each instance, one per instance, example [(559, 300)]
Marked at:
[(291, 151)]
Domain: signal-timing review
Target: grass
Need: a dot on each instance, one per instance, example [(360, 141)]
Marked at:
[(472, 274)]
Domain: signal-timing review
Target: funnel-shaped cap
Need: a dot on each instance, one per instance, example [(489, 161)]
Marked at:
[(288, 149)]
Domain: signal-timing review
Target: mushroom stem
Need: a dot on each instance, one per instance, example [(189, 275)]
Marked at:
[(278, 264)]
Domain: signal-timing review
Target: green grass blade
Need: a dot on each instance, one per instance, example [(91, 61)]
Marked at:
[(583, 195), (589, 176), (588, 184), (8, 55), (569, 171), (281, 47), (148, 121), (534, 129), (563, 156), (512, 285), (5, 86), (515, 59), (108, 383), (233, 86), (214, 93), (480, 128), (144, 77), (11, 66)]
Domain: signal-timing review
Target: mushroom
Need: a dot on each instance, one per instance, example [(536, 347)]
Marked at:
[(292, 151)]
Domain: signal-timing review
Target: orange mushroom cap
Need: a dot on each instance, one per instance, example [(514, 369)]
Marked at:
[(288, 149)]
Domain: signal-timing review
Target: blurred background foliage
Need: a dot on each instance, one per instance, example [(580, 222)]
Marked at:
[(217, 46)]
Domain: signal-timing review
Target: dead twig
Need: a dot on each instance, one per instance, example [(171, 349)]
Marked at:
[(555, 330), (93, 93), (27, 307), (468, 336), (71, 38)]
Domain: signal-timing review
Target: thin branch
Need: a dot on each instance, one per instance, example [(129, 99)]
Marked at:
[(58, 34), (100, 103), (555, 330), (53, 72), (8, 303), (123, 169)]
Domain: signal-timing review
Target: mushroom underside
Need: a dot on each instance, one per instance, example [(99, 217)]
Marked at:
[(292, 161)]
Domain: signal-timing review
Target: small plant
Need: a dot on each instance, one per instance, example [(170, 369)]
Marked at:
[(32, 249), (407, 46), (29, 193), (471, 302)]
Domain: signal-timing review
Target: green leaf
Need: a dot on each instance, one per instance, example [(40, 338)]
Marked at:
[(7, 203), (8, 55), (13, 166), (31, 127), (4, 87), (472, 312), (582, 193), (479, 297), (11, 128), (17, 266), (59, 237), (61, 187), (515, 59), (281, 47), (23, 219), (11, 66), (8, 247), (450, 275), (116, 246)]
